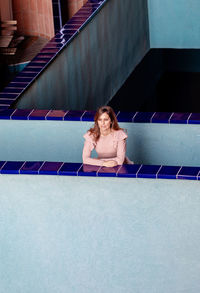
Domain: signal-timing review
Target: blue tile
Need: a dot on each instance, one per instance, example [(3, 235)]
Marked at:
[(56, 41), (50, 50), (108, 171), (148, 171), (128, 171), (46, 54), (21, 114), (53, 45), (20, 85), (70, 169), (1, 164), (79, 20), (190, 173), (12, 90), (71, 26), (125, 116), (180, 118), (88, 170), (56, 115), (31, 168), (194, 118), (34, 70), (4, 107), (11, 167), (23, 79), (143, 117), (168, 172), (88, 116), (38, 115), (5, 114), (50, 168), (161, 117), (27, 74), (6, 102), (8, 95), (74, 115)]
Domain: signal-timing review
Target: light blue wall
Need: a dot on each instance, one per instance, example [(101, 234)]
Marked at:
[(87, 73), (162, 144), (72, 234), (174, 24)]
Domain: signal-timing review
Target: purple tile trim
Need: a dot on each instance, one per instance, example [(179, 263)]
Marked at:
[(33, 69), (88, 116), (10, 96), (2, 163), (168, 172), (88, 170), (21, 114), (6, 114), (52, 45), (194, 118), (31, 168), (50, 168), (128, 171), (70, 169), (79, 169), (126, 116), (148, 171), (161, 117), (157, 117), (12, 167), (74, 115), (38, 115), (143, 117), (190, 173), (180, 118), (5, 102), (56, 115), (3, 107), (12, 90), (108, 171), (19, 84)]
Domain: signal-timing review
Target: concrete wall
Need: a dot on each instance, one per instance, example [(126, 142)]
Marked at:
[(88, 72), (174, 24), (108, 235), (156, 144)]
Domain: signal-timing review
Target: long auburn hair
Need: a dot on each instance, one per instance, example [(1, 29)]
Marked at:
[(95, 131)]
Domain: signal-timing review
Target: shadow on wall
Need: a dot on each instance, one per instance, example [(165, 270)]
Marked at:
[(166, 80)]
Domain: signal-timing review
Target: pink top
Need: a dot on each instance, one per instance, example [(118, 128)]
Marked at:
[(109, 147)]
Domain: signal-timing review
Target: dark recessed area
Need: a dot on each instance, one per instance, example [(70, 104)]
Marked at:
[(166, 80)]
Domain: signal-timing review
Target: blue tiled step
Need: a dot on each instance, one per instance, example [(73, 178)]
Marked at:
[(79, 169)]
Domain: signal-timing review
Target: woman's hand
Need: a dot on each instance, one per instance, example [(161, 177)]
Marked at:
[(110, 163)]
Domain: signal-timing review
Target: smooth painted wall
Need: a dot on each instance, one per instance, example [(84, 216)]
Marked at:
[(62, 141), (63, 234), (88, 72), (174, 24)]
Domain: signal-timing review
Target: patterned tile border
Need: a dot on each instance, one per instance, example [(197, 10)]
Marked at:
[(78, 169), (132, 117), (63, 38)]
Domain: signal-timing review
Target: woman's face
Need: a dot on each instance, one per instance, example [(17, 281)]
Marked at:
[(104, 122)]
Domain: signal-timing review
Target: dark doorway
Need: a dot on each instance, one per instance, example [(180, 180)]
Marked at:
[(166, 80)]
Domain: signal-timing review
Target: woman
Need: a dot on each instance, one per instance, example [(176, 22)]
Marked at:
[(107, 138)]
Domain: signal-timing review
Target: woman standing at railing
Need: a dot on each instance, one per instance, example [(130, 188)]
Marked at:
[(107, 138)]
